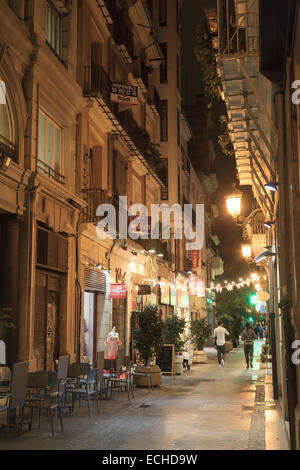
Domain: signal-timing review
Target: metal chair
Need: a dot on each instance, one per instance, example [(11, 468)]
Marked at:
[(147, 374), (17, 397), (62, 368), (48, 399), (88, 389), (124, 379), (102, 380)]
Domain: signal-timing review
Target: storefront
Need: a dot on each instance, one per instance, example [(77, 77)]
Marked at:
[(94, 321)]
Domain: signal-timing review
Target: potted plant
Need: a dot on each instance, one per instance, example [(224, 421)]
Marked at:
[(200, 332), (173, 331), (147, 339)]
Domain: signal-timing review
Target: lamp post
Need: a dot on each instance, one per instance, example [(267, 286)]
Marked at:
[(234, 203)]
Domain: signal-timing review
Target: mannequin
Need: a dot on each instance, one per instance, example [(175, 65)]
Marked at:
[(113, 342)]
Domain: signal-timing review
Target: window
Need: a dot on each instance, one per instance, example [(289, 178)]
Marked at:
[(53, 28), (164, 64), (49, 148), (164, 121), (163, 13)]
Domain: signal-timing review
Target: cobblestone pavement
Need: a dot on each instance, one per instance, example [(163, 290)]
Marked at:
[(209, 407)]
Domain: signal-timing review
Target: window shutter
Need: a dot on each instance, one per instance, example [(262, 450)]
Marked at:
[(97, 167), (94, 280)]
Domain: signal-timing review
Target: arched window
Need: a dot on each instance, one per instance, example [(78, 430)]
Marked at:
[(7, 124)]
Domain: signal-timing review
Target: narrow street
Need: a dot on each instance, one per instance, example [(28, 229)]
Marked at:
[(207, 408)]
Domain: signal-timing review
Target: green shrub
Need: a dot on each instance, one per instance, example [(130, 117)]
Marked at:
[(173, 329), (148, 337), (200, 332)]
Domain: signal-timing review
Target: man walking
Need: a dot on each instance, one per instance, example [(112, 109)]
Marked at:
[(219, 335), (248, 336)]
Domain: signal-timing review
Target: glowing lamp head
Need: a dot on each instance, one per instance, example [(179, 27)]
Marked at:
[(233, 202), (247, 251)]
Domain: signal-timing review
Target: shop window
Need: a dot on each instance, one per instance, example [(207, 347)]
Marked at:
[(53, 28), (49, 147)]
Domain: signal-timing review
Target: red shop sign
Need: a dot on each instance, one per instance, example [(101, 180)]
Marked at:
[(118, 291)]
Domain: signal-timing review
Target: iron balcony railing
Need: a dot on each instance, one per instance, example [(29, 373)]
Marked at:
[(96, 84), (94, 198), (8, 149), (154, 100), (140, 73), (50, 172), (123, 36)]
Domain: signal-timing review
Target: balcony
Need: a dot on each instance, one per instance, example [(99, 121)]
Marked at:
[(140, 73), (7, 149), (217, 266), (50, 172), (94, 198), (108, 9), (186, 164), (154, 100), (142, 141), (123, 37), (97, 85)]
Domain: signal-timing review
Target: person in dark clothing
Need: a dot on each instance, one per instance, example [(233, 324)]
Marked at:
[(248, 336)]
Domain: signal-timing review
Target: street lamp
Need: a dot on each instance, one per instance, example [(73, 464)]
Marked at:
[(272, 186), (247, 251), (233, 202)]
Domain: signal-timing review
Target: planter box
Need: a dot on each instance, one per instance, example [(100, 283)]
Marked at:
[(178, 365), (143, 381), (200, 357)]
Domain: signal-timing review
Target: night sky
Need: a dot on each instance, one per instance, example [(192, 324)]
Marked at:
[(225, 167)]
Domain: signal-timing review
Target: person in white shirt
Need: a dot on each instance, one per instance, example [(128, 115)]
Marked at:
[(219, 334)]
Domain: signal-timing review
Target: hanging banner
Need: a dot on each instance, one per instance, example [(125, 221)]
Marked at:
[(124, 94), (118, 291), (196, 259), (201, 287), (193, 280)]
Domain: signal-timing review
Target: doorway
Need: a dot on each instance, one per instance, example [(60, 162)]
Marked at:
[(89, 326), (46, 320)]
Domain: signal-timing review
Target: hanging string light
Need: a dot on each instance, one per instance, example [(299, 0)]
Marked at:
[(230, 285)]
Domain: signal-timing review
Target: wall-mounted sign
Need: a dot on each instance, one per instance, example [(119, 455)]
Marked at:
[(118, 291), (144, 289), (124, 94)]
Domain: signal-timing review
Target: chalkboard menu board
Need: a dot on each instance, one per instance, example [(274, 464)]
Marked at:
[(166, 359)]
